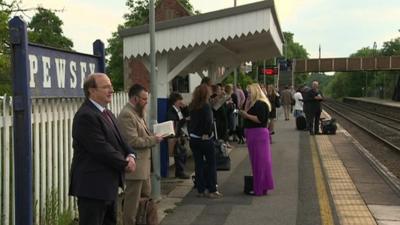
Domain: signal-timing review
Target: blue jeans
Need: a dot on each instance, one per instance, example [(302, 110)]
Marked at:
[(297, 113)]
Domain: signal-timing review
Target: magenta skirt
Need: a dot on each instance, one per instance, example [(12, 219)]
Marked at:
[(258, 143)]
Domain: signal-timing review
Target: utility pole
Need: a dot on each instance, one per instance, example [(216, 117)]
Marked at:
[(156, 177)]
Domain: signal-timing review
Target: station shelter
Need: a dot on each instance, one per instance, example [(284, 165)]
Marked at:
[(211, 44)]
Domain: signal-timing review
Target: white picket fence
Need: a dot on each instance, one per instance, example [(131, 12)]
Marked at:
[(51, 149)]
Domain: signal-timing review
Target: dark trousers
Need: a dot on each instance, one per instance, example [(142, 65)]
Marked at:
[(180, 156), (312, 119), (204, 149), (97, 212)]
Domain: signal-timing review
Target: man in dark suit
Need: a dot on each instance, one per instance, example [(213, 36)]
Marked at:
[(100, 158), (312, 107), (178, 113)]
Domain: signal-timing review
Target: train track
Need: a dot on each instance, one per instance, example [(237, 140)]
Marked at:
[(380, 127)]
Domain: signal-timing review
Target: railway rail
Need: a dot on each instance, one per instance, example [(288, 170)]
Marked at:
[(383, 128)]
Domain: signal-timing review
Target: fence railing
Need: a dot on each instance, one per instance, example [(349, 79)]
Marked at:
[(51, 150)]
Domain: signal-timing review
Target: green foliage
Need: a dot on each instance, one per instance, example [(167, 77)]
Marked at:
[(5, 78), (294, 50), (52, 215), (322, 78), (366, 83), (242, 79), (45, 28), (391, 47), (138, 15)]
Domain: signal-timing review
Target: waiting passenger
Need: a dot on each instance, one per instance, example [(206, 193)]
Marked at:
[(201, 142), (257, 138)]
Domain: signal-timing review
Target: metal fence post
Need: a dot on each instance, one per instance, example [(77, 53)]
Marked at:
[(22, 123), (98, 50)]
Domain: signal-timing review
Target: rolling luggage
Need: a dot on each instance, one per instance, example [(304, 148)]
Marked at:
[(301, 123)]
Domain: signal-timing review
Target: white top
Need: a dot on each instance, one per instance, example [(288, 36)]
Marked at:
[(101, 108), (180, 115), (299, 104)]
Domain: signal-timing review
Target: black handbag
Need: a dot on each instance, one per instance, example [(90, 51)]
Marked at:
[(248, 185)]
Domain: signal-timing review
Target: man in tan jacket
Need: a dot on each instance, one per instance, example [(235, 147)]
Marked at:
[(135, 132)]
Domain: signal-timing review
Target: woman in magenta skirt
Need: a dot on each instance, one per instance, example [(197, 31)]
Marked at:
[(257, 139)]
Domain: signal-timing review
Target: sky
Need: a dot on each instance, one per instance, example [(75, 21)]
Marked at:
[(341, 27)]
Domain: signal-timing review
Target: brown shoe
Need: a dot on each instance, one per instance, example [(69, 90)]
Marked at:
[(215, 195)]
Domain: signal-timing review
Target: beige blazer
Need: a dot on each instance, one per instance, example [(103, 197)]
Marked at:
[(135, 132)]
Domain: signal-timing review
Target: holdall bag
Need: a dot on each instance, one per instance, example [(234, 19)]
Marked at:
[(248, 185), (328, 126), (147, 212), (223, 160)]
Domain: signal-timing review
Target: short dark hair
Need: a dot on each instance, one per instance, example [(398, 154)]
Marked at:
[(174, 97), (135, 90)]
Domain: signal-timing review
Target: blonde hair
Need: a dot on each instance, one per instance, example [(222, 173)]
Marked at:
[(256, 94), (271, 90), (228, 89)]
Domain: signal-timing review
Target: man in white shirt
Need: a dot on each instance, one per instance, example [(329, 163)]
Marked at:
[(298, 106)]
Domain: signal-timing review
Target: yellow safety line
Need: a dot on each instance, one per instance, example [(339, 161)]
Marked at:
[(325, 208)]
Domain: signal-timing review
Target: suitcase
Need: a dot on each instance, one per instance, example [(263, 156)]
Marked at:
[(301, 123), (248, 185)]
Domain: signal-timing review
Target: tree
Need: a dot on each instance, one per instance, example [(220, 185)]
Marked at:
[(6, 9), (365, 83), (391, 47), (138, 15), (45, 28), (294, 50)]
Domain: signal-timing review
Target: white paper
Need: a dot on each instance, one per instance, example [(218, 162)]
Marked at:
[(164, 129)]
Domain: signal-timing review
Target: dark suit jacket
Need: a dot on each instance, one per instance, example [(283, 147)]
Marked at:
[(172, 114), (98, 164), (311, 105)]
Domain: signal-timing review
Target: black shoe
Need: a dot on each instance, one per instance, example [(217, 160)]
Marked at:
[(312, 133)]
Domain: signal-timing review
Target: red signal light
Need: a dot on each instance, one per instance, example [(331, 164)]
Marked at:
[(270, 71)]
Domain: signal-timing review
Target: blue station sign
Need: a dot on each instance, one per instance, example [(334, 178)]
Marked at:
[(58, 73)]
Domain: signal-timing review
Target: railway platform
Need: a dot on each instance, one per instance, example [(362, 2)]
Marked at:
[(318, 180)]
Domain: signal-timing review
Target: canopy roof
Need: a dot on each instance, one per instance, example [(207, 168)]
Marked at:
[(226, 37)]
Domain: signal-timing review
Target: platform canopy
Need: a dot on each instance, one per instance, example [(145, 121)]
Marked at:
[(224, 38)]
